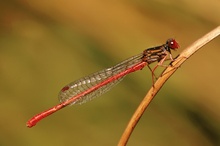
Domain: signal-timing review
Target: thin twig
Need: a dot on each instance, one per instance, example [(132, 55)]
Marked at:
[(189, 51)]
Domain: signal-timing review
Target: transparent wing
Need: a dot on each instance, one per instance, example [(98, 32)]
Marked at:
[(85, 83)]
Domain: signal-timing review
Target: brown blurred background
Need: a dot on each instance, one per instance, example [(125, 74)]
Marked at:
[(46, 44)]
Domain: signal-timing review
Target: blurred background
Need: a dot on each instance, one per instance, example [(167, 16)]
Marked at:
[(44, 45)]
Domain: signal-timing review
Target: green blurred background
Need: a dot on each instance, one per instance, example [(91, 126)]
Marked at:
[(44, 45)]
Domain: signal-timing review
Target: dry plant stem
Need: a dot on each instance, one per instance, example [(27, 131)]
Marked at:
[(189, 51)]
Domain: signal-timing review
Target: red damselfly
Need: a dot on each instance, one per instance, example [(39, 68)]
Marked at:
[(94, 85)]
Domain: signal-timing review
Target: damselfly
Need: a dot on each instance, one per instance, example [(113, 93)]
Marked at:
[(94, 85)]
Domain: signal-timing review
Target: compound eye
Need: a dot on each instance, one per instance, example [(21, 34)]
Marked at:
[(173, 44)]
